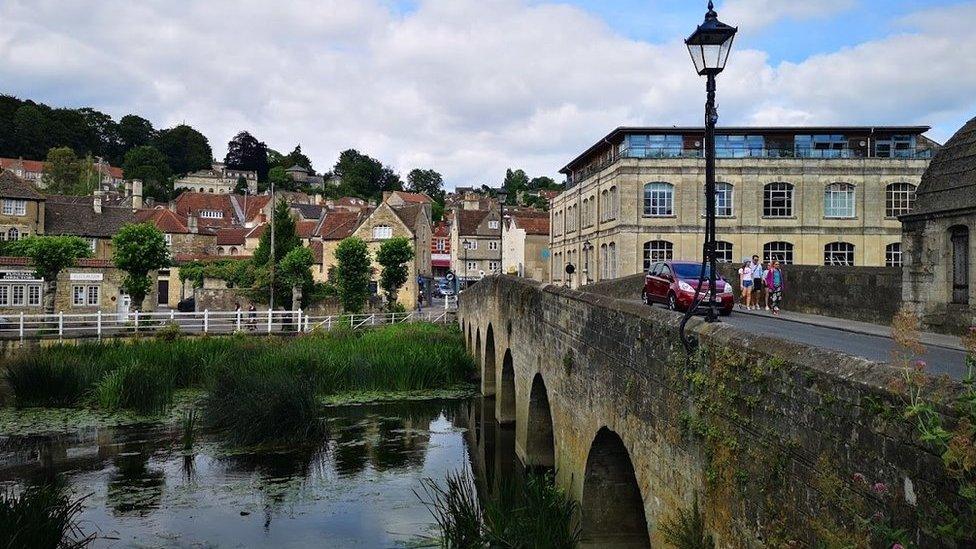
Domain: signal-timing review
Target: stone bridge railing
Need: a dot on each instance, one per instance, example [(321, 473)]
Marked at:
[(781, 443)]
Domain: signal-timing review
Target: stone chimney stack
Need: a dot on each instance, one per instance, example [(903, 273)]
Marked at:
[(191, 224), (136, 194), (97, 202), (471, 201)]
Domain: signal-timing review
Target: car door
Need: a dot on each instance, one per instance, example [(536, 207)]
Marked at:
[(664, 285), (652, 282)]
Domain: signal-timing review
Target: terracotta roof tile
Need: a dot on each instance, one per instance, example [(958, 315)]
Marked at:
[(532, 224), (87, 262), (232, 236), (413, 198), (340, 224), (164, 220), (192, 203)]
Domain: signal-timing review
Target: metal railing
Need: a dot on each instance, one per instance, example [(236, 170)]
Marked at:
[(99, 325)]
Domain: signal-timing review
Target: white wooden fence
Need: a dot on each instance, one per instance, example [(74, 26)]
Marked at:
[(98, 325)]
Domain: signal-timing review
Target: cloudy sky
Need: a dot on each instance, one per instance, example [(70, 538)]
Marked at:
[(470, 87)]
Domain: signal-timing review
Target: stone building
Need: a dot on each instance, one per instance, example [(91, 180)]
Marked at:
[(525, 242), (940, 257), (186, 243), (476, 237), (33, 171), (806, 195), (86, 217), (22, 208), (219, 179), (440, 249)]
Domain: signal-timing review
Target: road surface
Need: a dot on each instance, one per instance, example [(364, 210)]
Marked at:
[(878, 348)]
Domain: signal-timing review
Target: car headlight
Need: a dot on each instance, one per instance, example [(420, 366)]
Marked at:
[(728, 288), (684, 286)]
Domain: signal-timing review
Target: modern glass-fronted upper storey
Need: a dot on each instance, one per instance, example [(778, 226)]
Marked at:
[(824, 143)]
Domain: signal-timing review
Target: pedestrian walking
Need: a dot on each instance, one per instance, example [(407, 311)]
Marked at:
[(776, 285), (758, 283), (238, 316), (745, 283), (252, 317)]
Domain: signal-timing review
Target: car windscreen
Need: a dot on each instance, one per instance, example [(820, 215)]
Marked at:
[(689, 271)]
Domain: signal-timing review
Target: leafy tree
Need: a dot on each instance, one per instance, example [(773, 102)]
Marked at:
[(364, 176), (103, 135), (136, 131), (286, 236), (428, 182), (245, 152), (297, 158), (275, 158), (30, 132), (185, 148), (295, 271), (139, 249), (63, 172), (279, 177), (515, 182), (148, 164), (50, 255), (241, 186), (543, 183), (286, 240), (352, 274), (393, 256)]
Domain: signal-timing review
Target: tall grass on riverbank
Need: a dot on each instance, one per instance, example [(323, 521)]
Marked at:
[(524, 512), (143, 375), (40, 516)]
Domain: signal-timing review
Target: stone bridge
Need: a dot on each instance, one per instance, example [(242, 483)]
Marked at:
[(780, 443)]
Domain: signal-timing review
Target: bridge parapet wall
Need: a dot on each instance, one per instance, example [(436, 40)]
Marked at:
[(778, 440)]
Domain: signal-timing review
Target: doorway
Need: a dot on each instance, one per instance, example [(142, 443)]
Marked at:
[(959, 241), (162, 287)]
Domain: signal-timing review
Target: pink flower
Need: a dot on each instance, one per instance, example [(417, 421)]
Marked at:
[(920, 365), (859, 478), (880, 488), (897, 546)]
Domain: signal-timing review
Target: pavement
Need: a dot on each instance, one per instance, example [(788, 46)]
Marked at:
[(944, 354)]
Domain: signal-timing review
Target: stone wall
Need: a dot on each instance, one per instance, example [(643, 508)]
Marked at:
[(869, 294), (782, 443)]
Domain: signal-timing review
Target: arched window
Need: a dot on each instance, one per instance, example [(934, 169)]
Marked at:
[(778, 251), (893, 255), (604, 262), (586, 212), (778, 200), (613, 260), (839, 201), (723, 251), (723, 201), (657, 250), (614, 203), (899, 199), (13, 234), (839, 253), (959, 242), (658, 200), (382, 232)]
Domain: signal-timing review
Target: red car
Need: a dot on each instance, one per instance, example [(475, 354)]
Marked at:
[(674, 282)]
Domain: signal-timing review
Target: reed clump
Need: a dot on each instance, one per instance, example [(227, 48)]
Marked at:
[(40, 516)]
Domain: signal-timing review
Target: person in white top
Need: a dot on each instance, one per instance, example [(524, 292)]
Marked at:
[(745, 282), (758, 282)]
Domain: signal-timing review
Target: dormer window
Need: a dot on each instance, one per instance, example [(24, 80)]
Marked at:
[(211, 214), (493, 224)]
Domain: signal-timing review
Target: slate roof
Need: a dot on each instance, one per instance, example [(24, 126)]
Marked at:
[(12, 186), (309, 211), (409, 214), (949, 183), (68, 215)]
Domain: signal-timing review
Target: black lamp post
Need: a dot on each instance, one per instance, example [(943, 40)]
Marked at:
[(709, 46), (466, 245)]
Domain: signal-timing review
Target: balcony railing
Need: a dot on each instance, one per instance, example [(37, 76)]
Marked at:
[(726, 153)]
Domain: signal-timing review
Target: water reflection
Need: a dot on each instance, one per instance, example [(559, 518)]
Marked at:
[(356, 487)]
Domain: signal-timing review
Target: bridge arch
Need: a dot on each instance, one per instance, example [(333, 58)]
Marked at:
[(488, 364), (612, 506), (540, 447), (477, 346), (505, 411)]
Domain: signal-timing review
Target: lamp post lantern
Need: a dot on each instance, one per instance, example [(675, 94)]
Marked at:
[(709, 47)]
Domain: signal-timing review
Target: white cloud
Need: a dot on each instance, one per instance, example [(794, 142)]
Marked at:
[(753, 15), (467, 87)]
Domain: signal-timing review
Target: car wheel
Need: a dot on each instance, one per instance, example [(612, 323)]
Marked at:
[(672, 302), (645, 299), (725, 312)]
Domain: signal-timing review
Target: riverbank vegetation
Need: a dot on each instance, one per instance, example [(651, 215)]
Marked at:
[(40, 516), (258, 389), (527, 511)]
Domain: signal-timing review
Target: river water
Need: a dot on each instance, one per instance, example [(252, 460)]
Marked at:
[(356, 488)]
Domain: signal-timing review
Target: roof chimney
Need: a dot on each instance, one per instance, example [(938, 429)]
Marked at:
[(471, 201), (97, 202), (191, 224), (136, 194)]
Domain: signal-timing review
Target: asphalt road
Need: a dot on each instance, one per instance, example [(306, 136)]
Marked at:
[(940, 360)]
